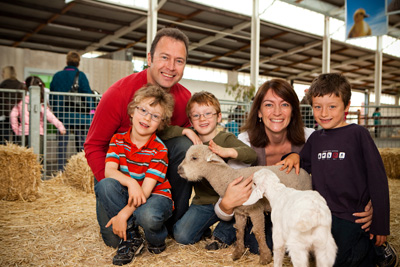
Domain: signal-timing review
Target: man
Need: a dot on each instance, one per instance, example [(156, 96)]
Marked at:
[(166, 61)]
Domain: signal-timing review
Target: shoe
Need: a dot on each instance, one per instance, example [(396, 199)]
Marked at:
[(156, 249), (128, 249), (216, 244), (389, 258)]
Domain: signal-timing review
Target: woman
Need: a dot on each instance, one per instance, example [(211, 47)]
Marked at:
[(273, 129)]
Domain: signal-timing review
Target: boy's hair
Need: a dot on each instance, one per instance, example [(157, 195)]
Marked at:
[(160, 96), (256, 128), (73, 59), (203, 98), (172, 33), (328, 84)]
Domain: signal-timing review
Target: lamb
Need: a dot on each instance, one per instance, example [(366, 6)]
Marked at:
[(200, 162), (301, 222)]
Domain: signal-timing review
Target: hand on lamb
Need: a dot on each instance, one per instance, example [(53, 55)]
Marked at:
[(192, 136), (236, 194), (290, 162), (223, 152)]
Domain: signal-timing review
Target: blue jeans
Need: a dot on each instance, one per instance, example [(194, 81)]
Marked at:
[(111, 197), (354, 246), (191, 227), (226, 232), (181, 189)]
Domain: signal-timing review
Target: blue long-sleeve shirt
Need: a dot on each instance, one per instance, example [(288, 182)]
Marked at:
[(347, 170)]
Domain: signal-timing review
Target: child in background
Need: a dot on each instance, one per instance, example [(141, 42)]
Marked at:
[(204, 113), (16, 114), (136, 164), (347, 171)]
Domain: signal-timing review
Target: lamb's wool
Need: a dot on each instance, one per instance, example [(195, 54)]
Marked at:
[(301, 222), (20, 173)]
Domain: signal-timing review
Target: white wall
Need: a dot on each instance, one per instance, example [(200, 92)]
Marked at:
[(218, 89)]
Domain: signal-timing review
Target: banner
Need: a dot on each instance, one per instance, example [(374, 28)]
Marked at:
[(366, 18)]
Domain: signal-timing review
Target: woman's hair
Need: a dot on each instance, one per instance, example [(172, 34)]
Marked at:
[(9, 73), (203, 98), (73, 59), (256, 129), (35, 81), (330, 84), (160, 97)]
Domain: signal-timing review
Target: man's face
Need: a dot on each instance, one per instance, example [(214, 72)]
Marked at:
[(166, 67)]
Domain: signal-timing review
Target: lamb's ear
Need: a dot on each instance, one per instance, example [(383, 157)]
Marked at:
[(214, 158)]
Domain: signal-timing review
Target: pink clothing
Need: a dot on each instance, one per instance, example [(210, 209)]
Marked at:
[(16, 118), (111, 117)]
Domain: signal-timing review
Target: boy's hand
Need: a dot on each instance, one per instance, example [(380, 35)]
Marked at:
[(365, 216), (223, 152), (293, 160), (192, 136), (379, 239), (119, 225), (136, 194)]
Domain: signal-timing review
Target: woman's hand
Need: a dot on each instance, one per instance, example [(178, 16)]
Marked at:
[(236, 194)]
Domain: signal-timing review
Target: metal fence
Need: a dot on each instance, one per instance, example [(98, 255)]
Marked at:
[(58, 148)]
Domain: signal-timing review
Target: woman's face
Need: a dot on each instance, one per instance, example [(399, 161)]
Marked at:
[(275, 113)]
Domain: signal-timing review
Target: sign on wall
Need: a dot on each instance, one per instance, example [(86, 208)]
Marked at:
[(366, 18)]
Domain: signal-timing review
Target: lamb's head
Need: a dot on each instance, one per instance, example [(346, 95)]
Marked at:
[(198, 162), (265, 178)]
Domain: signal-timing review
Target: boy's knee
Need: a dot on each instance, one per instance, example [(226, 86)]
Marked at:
[(182, 237), (105, 186)]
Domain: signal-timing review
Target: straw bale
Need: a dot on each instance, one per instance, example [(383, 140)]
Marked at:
[(60, 229), (20, 173), (78, 174), (391, 161)]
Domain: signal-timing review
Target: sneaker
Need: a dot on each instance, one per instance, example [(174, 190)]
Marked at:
[(216, 244), (390, 258), (156, 249), (128, 249)]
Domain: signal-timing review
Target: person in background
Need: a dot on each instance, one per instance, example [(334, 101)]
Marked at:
[(377, 122), (75, 122), (16, 117), (166, 60), (7, 101), (136, 191), (232, 126)]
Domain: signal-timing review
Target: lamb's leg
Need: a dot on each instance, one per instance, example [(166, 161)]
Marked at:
[(240, 225), (258, 220), (298, 254), (324, 247), (279, 254)]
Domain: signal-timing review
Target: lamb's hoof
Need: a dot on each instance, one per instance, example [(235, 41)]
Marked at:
[(265, 260), (237, 254)]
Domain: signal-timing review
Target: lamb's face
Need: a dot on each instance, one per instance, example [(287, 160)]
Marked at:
[(265, 178), (194, 163)]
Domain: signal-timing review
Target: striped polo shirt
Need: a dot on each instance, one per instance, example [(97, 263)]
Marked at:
[(149, 161)]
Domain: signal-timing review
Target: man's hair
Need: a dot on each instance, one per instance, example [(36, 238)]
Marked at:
[(203, 98), (172, 33), (73, 59), (328, 84), (9, 72), (256, 128), (160, 97)]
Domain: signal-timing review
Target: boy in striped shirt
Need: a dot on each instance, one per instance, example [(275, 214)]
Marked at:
[(136, 166)]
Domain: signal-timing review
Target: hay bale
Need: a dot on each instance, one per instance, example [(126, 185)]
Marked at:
[(78, 174), (391, 160), (20, 173)]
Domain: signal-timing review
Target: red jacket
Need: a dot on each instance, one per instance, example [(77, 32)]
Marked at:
[(111, 117)]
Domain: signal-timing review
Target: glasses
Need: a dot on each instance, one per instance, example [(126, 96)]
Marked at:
[(207, 115), (144, 112)]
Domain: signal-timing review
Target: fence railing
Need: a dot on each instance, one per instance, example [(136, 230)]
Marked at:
[(57, 148)]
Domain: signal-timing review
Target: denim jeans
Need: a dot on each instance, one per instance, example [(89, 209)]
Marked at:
[(226, 232), (191, 227), (354, 246), (181, 188), (111, 197)]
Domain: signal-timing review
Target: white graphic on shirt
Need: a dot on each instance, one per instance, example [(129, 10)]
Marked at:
[(331, 155)]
